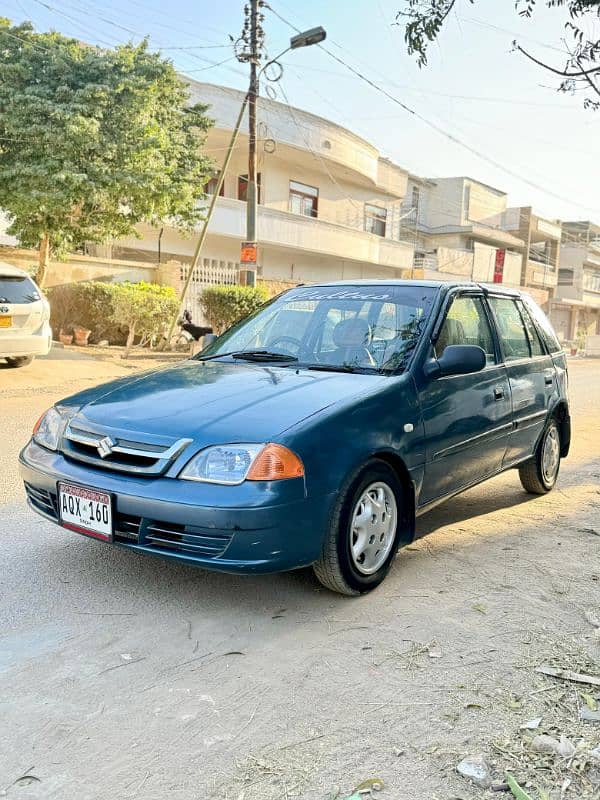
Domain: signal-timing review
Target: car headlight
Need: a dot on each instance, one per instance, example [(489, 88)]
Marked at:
[(49, 428), (232, 464)]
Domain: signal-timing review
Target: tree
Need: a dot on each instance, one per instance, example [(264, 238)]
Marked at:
[(142, 308), (93, 142), (424, 20)]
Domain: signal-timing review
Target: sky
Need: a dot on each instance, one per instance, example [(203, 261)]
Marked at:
[(539, 146)]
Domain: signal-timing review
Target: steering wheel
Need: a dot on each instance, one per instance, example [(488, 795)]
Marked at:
[(296, 343)]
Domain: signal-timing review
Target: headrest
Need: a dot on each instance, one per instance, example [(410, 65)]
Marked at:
[(352, 333)]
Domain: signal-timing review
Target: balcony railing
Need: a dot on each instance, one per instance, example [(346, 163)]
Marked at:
[(284, 229)]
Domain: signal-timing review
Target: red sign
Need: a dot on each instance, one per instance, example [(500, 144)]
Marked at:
[(499, 266), (248, 254)]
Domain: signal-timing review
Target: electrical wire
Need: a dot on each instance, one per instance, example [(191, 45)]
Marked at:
[(438, 128)]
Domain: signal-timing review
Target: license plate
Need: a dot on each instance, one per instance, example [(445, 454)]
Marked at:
[(86, 511), (5, 322)]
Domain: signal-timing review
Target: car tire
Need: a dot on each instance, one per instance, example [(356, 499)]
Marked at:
[(539, 474), (19, 361), (367, 514)]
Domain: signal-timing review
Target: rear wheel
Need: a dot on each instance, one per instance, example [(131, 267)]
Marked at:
[(363, 534), (538, 475), (19, 361)]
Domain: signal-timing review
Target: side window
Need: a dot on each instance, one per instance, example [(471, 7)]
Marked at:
[(466, 323), (537, 348), (513, 335), (544, 326)]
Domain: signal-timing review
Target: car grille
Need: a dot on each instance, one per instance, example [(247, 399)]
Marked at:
[(186, 539), (44, 502), (103, 450), (152, 534)]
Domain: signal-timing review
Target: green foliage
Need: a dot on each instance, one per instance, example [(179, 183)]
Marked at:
[(93, 142), (89, 305), (225, 305), (143, 308), (423, 21)]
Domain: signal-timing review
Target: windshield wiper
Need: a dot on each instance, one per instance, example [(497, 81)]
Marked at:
[(341, 368), (262, 355), (251, 355)]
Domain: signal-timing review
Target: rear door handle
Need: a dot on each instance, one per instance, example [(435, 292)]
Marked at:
[(498, 393), (548, 379)]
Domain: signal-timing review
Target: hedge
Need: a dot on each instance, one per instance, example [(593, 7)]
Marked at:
[(111, 310), (223, 306)]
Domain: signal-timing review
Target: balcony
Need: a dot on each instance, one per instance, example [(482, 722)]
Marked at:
[(541, 273), (294, 231)]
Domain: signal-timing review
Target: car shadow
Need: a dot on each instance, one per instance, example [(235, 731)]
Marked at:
[(471, 504)]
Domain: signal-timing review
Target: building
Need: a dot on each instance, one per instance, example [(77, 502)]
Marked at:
[(458, 231), (575, 310), (329, 203), (541, 253)]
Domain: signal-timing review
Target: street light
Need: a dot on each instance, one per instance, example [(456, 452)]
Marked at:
[(312, 36)]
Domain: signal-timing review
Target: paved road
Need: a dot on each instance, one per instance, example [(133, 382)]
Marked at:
[(123, 676)]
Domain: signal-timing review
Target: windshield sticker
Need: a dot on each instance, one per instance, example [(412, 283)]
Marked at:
[(341, 294)]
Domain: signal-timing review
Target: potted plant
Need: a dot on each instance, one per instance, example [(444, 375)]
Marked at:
[(65, 335), (81, 335)]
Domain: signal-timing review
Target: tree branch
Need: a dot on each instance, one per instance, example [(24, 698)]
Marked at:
[(563, 73)]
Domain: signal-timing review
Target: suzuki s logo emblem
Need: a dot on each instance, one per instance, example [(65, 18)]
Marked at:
[(4, 309), (105, 447)]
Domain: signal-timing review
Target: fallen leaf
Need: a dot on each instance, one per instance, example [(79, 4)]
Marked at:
[(590, 701), (481, 607), (516, 790)]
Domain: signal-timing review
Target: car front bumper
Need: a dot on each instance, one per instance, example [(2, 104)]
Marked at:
[(15, 343), (255, 527)]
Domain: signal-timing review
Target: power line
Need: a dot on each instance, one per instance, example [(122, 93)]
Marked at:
[(438, 128)]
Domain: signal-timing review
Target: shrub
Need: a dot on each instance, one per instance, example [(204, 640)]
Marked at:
[(144, 308), (115, 311), (225, 305), (89, 305)]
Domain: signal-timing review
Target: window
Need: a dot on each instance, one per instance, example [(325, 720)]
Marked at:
[(304, 199), (591, 280), (466, 323), (515, 342), (537, 349), (211, 186), (243, 187), (17, 289), (375, 219), (565, 277), (543, 325), (466, 200), (415, 197)]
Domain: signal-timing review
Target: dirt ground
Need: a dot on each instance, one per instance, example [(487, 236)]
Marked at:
[(123, 676)]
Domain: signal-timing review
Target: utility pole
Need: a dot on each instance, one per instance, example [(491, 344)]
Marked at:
[(253, 38)]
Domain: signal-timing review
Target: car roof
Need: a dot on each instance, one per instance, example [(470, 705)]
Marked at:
[(447, 285), (9, 270)]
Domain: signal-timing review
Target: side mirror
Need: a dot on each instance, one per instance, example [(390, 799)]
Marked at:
[(457, 359), (207, 339)]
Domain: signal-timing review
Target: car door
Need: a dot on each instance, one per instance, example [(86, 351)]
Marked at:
[(467, 418), (531, 374)]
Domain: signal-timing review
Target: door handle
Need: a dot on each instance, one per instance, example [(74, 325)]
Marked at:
[(498, 393), (548, 380)]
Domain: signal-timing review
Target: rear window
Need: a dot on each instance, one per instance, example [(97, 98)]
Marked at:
[(17, 289)]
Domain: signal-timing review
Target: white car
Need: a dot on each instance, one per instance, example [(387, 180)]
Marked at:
[(24, 318)]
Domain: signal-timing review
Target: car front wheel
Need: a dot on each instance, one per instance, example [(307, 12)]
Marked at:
[(364, 531), (539, 474), (19, 361)]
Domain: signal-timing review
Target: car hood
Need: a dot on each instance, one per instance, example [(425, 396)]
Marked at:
[(212, 402)]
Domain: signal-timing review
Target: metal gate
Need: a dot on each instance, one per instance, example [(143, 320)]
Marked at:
[(210, 272)]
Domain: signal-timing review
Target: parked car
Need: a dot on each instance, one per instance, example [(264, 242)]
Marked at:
[(24, 318), (313, 432)]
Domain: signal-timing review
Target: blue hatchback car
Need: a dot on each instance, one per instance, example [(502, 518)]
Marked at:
[(313, 432)]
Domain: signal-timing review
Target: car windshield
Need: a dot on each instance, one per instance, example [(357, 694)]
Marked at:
[(345, 328), (17, 289)]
